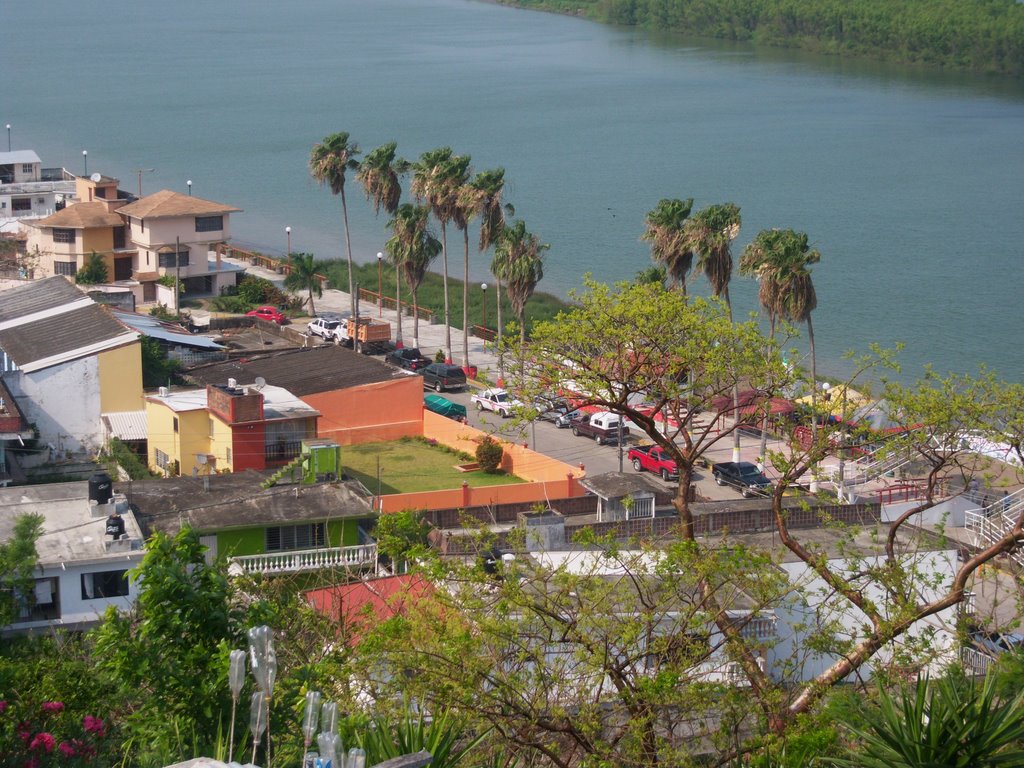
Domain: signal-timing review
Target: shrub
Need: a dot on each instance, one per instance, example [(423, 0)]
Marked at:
[(93, 272), (439, 357), (488, 454), (256, 290)]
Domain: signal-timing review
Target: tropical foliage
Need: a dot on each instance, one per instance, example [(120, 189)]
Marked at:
[(329, 162), (93, 272), (303, 275)]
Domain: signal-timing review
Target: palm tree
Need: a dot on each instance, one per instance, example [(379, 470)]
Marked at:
[(488, 186), (379, 174), (518, 257), (302, 276), (328, 162), (432, 182), (412, 247), (709, 233), (669, 245), (465, 209)]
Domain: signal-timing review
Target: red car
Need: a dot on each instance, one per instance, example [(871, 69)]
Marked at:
[(272, 314)]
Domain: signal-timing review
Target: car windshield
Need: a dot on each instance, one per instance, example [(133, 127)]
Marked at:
[(329, 324), (749, 471), (500, 397)]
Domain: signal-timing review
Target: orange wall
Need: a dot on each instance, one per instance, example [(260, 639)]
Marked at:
[(566, 488), (370, 413), (518, 461)]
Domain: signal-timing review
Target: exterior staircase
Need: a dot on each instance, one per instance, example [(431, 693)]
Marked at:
[(869, 468), (990, 524), (291, 468)]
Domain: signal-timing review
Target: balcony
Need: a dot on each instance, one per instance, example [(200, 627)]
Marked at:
[(297, 561)]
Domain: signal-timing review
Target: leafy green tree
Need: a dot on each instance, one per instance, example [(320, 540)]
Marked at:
[(329, 161), (157, 369), (93, 272), (518, 261), (952, 722), (401, 535), (18, 558), (709, 234), (669, 245), (437, 179), (303, 276), (412, 248), (168, 653), (379, 174)]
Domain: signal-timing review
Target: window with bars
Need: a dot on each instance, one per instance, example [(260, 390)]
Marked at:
[(162, 459), (285, 537), (68, 268), (167, 259), (209, 223), (64, 236), (22, 204)]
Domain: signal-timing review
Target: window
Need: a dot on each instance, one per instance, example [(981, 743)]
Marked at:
[(26, 167), (642, 507), (162, 459), (167, 259), (227, 454), (213, 429), (104, 584), (64, 236), (120, 237), (68, 268), (21, 204), (295, 537), (209, 223), (175, 425)]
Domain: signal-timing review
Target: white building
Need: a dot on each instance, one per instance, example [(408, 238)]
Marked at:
[(81, 571), (28, 191)]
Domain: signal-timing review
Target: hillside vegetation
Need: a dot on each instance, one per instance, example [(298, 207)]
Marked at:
[(979, 35)]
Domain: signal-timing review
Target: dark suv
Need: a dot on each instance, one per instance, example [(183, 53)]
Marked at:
[(408, 358), (442, 376)]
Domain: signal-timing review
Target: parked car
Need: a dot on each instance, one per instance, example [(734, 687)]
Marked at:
[(442, 376), (497, 400), (566, 419), (324, 327), (603, 426), (273, 314), (550, 408), (653, 459), (743, 476), (445, 407), (996, 643), (408, 358)]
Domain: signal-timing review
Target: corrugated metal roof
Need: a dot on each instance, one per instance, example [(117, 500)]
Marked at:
[(19, 156), (169, 332), (126, 425), (37, 296)]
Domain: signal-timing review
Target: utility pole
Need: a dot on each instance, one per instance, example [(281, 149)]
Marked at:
[(619, 441), (141, 171), (177, 277)]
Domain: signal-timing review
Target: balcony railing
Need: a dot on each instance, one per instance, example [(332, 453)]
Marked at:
[(308, 559), (282, 451)]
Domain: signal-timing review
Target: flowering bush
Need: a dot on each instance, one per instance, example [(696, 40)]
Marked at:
[(36, 736)]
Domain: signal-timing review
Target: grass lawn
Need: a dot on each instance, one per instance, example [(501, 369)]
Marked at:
[(410, 466)]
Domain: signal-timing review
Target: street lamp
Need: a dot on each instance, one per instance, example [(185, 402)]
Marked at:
[(380, 285), (189, 182), (483, 287), (288, 231), (85, 161), (8, 137)]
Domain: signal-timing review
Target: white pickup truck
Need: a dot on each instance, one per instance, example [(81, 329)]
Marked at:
[(497, 400)]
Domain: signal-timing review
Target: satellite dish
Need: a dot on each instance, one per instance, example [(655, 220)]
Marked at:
[(96, 177), (259, 384)]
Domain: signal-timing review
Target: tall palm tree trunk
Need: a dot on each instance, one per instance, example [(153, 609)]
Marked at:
[(398, 306), (465, 299), (312, 309), (447, 313), (501, 352), (736, 453), (763, 451), (814, 383), (348, 246), (415, 319)]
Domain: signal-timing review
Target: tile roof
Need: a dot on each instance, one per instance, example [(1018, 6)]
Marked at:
[(166, 204), (49, 322), (324, 368), (82, 216)]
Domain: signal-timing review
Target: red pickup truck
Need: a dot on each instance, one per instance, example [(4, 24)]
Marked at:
[(653, 459)]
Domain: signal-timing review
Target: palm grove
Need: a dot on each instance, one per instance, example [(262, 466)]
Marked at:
[(446, 192)]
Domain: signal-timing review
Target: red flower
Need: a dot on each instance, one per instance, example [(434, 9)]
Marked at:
[(24, 733), (66, 749), (44, 741), (53, 706), (3, 707), (94, 725)]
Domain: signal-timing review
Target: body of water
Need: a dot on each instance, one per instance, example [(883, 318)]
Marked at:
[(911, 184)]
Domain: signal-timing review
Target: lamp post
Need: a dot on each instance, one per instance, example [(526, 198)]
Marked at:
[(141, 171), (8, 137), (380, 284), (189, 182), (85, 161), (288, 232), (483, 287)]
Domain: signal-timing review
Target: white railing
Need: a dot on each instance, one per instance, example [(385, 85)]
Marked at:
[(867, 468), (308, 559), (989, 525), (974, 661)]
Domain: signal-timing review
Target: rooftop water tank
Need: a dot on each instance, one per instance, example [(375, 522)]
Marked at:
[(101, 488)]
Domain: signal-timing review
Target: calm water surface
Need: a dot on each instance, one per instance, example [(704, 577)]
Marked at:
[(910, 184)]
